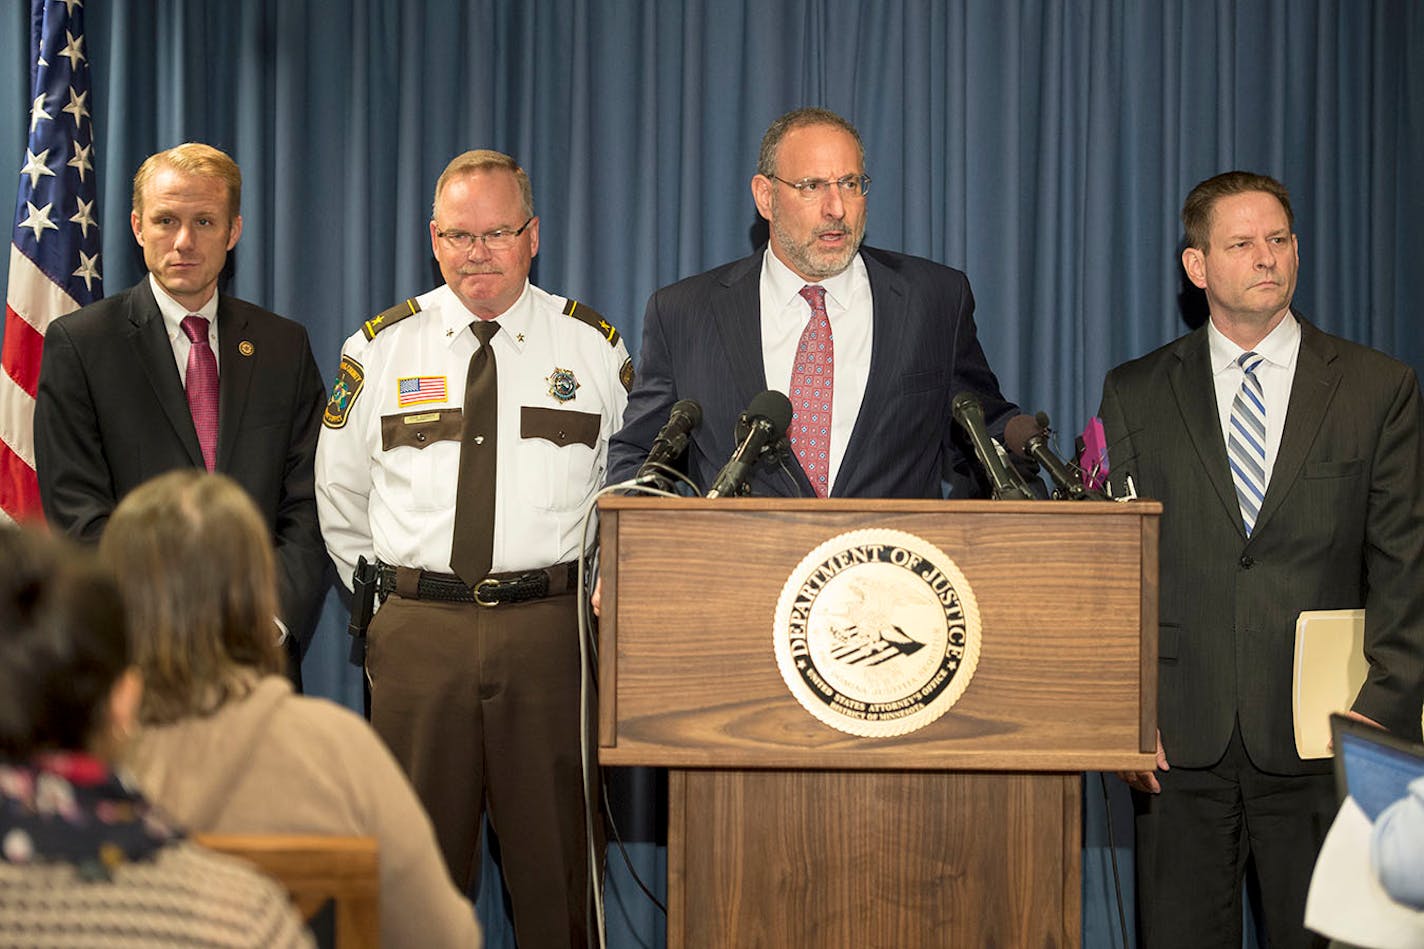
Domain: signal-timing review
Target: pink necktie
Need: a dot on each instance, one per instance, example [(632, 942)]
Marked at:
[(202, 383), (812, 382)]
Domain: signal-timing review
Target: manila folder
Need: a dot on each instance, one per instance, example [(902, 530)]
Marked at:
[(1329, 670)]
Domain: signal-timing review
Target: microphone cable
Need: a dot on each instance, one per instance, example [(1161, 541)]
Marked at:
[(1112, 853), (588, 686)]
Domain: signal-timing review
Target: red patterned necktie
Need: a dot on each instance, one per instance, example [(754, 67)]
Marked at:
[(202, 384), (812, 382)]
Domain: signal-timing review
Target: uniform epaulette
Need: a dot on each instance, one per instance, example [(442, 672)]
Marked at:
[(581, 311), (388, 317)]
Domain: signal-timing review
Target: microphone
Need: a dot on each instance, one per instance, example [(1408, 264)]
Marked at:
[(684, 416), (766, 419), (1027, 436), (1003, 482)]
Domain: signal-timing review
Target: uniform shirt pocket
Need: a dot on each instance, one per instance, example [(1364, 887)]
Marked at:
[(420, 429), (558, 456), (424, 449)]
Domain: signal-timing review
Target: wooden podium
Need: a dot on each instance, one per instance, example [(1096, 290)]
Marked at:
[(787, 832)]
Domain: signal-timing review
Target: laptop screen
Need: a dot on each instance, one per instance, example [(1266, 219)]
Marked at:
[(1373, 766)]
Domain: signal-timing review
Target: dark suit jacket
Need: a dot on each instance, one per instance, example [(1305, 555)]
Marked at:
[(702, 341), (1341, 526), (111, 413)]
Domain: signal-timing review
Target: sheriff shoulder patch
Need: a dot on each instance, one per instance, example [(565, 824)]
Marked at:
[(592, 317), (625, 375), (350, 378), (389, 317)]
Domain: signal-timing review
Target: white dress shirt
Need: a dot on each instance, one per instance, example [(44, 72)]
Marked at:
[(173, 314), (1275, 373)]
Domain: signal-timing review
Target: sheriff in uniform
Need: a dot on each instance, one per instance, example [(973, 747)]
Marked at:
[(464, 440)]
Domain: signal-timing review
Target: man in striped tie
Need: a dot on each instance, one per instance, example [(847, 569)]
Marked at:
[(1287, 461), (170, 374)]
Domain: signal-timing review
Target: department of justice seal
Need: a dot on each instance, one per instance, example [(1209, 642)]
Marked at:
[(877, 633)]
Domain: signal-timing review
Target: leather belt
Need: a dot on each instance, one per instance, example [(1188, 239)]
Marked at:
[(516, 587)]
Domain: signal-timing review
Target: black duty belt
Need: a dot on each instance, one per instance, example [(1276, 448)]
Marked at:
[(497, 588)]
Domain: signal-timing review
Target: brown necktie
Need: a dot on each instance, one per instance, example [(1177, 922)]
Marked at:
[(472, 548)]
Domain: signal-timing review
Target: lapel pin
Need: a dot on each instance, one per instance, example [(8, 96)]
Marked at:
[(246, 348)]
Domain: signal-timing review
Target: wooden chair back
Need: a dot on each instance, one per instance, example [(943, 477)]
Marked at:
[(316, 870)]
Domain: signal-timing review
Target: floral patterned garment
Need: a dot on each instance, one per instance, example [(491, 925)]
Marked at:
[(71, 808)]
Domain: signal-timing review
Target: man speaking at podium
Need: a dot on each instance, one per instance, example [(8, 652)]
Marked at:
[(871, 346)]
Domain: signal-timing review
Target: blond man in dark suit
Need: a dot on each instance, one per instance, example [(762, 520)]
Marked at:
[(113, 404)]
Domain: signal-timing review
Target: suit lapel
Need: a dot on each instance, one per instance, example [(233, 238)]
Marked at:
[(887, 331), (148, 336), (1191, 382), (1314, 385), (736, 312), (238, 359)]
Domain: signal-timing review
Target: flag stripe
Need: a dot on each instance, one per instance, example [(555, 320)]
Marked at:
[(21, 354), (19, 490), (17, 412), (33, 296)]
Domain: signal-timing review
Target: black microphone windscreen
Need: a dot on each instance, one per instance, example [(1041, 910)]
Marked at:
[(1018, 431), (773, 406), (688, 409)]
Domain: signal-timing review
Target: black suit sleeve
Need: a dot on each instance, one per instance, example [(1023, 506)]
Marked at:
[(1394, 551), (76, 486), (301, 555), (649, 402)]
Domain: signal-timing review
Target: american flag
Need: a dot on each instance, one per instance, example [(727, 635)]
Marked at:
[(414, 390), (54, 256)]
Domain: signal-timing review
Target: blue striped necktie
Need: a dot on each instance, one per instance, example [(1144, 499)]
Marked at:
[(1246, 441)]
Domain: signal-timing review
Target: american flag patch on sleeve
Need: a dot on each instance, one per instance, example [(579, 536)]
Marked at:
[(417, 390)]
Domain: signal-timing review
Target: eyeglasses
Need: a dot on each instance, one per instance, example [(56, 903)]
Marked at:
[(501, 239), (810, 189)]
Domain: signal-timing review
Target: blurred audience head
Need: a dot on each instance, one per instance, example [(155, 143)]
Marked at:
[(194, 560), (66, 682)]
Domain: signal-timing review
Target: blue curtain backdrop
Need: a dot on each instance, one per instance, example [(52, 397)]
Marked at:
[(1043, 146)]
